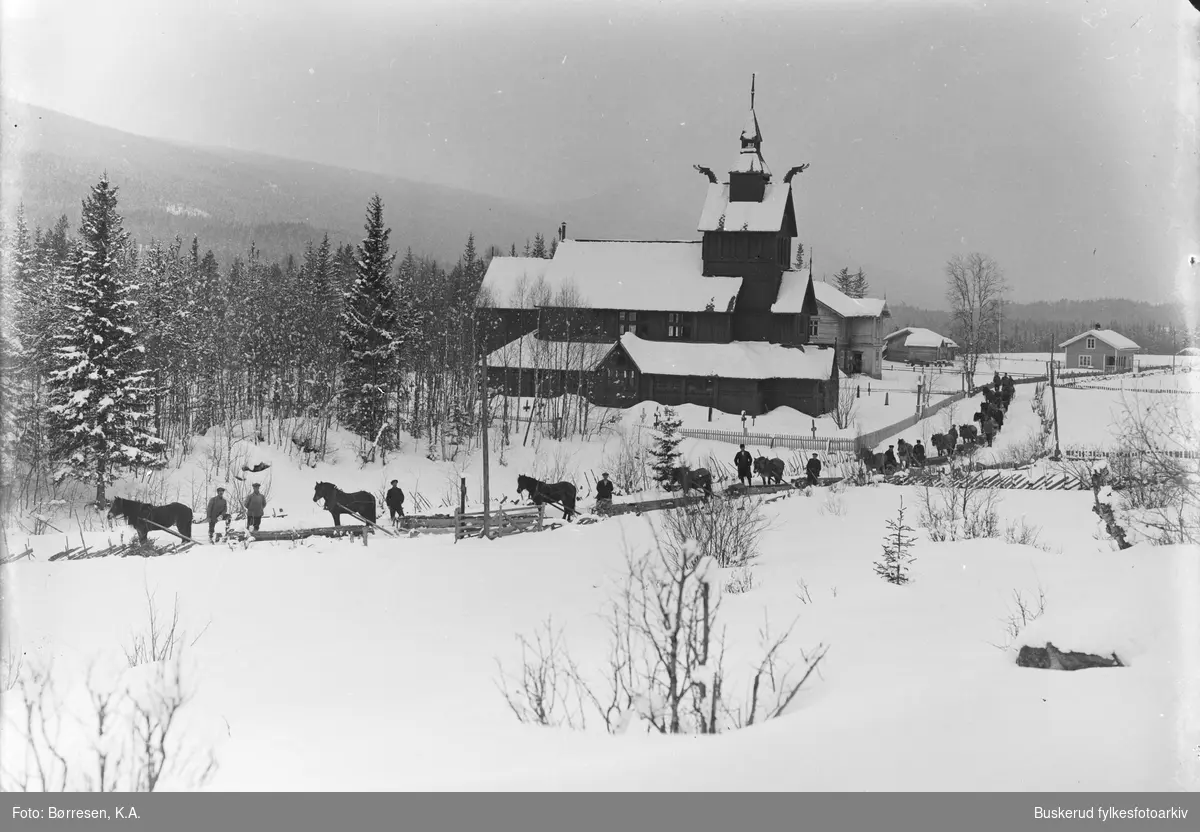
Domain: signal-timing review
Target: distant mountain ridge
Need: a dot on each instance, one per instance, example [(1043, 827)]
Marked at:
[(229, 198)]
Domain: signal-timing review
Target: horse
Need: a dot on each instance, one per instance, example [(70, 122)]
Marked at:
[(769, 469), (142, 515), (942, 444), (361, 503), (969, 434), (540, 492), (688, 478), (871, 459)]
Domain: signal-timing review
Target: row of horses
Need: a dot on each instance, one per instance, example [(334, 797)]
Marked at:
[(145, 517)]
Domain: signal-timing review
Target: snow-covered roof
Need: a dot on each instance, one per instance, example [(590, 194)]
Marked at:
[(1114, 339), (921, 337), (513, 282), (767, 215), (847, 306), (531, 353), (739, 359), (633, 274), (792, 287)]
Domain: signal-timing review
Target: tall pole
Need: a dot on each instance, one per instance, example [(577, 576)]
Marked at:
[(999, 324), (487, 525), (1054, 401)]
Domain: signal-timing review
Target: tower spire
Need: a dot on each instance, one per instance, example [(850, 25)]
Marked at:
[(752, 74)]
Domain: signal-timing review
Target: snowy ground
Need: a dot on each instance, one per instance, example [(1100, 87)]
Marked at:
[(329, 666)]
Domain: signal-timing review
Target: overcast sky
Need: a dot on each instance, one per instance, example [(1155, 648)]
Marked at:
[(1047, 134)]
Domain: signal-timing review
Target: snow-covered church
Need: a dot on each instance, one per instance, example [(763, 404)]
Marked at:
[(722, 321)]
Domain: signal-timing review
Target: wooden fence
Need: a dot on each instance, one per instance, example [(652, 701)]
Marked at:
[(501, 521)]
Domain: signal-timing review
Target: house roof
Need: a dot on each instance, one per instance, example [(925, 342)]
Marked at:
[(846, 306), (663, 275), (530, 353), (739, 359), (921, 337), (793, 287), (768, 215), (514, 282), (1114, 339)]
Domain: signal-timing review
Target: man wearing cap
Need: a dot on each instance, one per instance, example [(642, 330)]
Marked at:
[(395, 501), (218, 509), (604, 492), (256, 504), (813, 470)]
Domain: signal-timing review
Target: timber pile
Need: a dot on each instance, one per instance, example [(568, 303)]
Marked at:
[(149, 549), (300, 534), (1051, 658), (1011, 479)]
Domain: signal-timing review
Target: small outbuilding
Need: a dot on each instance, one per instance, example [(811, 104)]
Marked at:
[(1099, 349), (914, 343)]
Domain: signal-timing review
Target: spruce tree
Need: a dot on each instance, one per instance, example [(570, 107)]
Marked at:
[(845, 282), (100, 418), (893, 567), (799, 264), (859, 284), (370, 331), (665, 450), (539, 246)]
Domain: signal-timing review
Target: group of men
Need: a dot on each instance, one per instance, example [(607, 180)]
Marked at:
[(256, 505), (218, 509), (745, 468)]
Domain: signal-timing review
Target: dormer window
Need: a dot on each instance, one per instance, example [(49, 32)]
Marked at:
[(814, 326), (1091, 343)]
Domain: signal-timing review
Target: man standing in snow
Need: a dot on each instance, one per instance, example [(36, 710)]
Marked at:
[(217, 510), (256, 504), (745, 464), (813, 469), (395, 502), (604, 492), (889, 460), (918, 454)]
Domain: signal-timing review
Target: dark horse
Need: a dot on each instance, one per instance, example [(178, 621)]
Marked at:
[(562, 493), (769, 469), (874, 461), (361, 503), (144, 517), (689, 478)]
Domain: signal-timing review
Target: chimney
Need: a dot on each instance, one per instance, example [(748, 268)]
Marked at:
[(562, 232), (1096, 326)]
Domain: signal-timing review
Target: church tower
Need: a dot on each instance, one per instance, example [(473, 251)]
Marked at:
[(749, 223)]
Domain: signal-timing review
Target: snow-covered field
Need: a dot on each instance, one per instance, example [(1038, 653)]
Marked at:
[(326, 665)]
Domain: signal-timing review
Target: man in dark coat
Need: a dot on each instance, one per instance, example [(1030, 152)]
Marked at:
[(989, 430), (395, 501), (604, 492), (996, 381), (256, 504), (952, 435), (918, 454), (218, 509), (889, 459), (813, 469), (745, 464)]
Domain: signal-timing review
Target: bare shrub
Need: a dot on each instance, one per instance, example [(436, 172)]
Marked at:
[(1023, 611), (729, 531), (665, 666), (158, 641), (129, 738), (847, 403), (11, 665), (626, 466), (1025, 451), (960, 511), (741, 581), (548, 690), (803, 594), (1021, 533), (1158, 484), (833, 505), (556, 466)]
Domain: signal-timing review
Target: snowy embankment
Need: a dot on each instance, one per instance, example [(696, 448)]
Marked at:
[(330, 666)]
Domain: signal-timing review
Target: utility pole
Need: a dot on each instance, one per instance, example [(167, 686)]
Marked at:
[(487, 525), (1054, 401), (999, 323)]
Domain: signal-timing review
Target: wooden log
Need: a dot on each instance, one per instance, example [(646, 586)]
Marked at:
[(1051, 658), (300, 534)]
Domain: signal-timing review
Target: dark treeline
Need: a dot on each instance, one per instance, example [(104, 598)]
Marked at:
[(1160, 329), (365, 336)]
